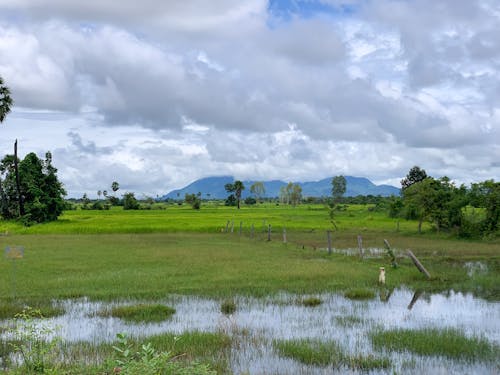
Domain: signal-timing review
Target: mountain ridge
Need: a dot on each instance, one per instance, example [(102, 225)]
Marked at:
[(213, 188)]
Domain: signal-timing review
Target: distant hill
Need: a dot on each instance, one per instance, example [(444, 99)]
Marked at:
[(213, 187)]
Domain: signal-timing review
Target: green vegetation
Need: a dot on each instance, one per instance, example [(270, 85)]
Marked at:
[(348, 320), (149, 361), (228, 307), (142, 254), (147, 255), (359, 294), (434, 342), (9, 308), (443, 204), (140, 313), (191, 353), (311, 301), (151, 266), (29, 342), (35, 181), (314, 352)]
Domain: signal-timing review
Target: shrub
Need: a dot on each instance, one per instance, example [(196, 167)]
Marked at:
[(228, 307), (149, 361)]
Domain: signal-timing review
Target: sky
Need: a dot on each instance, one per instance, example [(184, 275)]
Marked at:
[(156, 94)]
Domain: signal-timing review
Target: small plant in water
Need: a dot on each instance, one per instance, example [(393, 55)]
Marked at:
[(34, 341), (360, 294), (312, 301), (148, 361), (141, 313), (447, 342), (228, 307), (329, 353)]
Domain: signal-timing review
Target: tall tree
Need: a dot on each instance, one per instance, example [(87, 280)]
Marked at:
[(339, 186), (41, 190), (296, 194), (235, 188), (283, 194), (5, 105), (258, 190), (420, 198), (5, 100), (414, 175)]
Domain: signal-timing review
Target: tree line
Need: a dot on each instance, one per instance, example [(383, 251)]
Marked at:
[(469, 211)]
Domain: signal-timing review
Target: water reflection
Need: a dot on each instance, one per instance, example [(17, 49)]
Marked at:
[(258, 321)]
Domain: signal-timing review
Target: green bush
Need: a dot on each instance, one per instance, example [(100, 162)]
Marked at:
[(148, 361), (228, 307)]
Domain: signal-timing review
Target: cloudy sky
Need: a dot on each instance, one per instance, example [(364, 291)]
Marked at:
[(155, 94)]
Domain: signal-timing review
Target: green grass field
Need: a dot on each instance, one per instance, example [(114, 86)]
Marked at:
[(212, 218), (147, 254), (150, 254)]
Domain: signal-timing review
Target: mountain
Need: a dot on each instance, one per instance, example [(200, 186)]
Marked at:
[(213, 187)]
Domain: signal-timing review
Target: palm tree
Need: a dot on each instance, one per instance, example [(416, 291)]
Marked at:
[(115, 186), (238, 188), (5, 100)]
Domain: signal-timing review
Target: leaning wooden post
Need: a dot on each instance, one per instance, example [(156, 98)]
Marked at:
[(227, 226), (417, 264), (269, 232), (360, 246), (329, 239), (390, 253), (284, 235)]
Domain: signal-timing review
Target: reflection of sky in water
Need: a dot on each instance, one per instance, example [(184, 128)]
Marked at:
[(279, 317)]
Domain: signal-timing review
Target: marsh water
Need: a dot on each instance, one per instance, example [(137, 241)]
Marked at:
[(257, 322)]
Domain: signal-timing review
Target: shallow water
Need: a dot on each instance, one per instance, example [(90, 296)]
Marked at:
[(258, 321)]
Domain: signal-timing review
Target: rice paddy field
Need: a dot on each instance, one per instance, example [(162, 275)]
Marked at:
[(250, 291)]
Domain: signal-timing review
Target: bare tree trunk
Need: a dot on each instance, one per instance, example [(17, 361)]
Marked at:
[(18, 183), (420, 226)]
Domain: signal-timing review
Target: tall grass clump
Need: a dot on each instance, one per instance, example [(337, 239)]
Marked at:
[(141, 313), (228, 307), (449, 342), (311, 301), (359, 294), (315, 352)]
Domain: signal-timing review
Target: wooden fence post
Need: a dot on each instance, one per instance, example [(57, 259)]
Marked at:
[(269, 232), (284, 235), (390, 253), (227, 226), (417, 264), (241, 227), (232, 226), (360, 246)]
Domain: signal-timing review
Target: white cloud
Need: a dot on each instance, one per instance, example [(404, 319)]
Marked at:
[(165, 93)]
